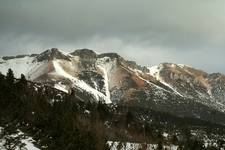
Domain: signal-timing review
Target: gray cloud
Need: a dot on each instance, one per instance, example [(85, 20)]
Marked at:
[(148, 31)]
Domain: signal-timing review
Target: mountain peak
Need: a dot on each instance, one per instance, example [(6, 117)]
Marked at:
[(84, 53), (110, 55), (51, 54)]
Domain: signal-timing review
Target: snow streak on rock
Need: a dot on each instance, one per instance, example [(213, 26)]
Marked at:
[(155, 72), (79, 83)]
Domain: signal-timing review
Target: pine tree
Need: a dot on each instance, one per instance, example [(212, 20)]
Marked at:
[(23, 79), (2, 77), (10, 76), (2, 81)]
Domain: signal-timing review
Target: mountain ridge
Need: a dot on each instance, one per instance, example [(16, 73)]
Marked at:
[(110, 78)]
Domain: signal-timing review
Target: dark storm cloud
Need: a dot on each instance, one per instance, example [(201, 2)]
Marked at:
[(149, 31)]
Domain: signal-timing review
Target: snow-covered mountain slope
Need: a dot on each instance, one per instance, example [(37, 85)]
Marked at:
[(110, 78), (190, 82)]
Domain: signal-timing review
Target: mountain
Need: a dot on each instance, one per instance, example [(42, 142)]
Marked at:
[(178, 89), (85, 100)]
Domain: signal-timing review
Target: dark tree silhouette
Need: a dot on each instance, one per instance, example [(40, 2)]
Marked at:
[(23, 79), (10, 76)]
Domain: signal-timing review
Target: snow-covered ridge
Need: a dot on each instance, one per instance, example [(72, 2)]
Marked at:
[(18, 65)]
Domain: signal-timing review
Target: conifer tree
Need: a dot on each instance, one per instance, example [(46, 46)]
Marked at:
[(10, 76), (23, 79), (2, 77)]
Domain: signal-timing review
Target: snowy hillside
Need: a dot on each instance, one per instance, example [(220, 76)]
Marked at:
[(20, 138)]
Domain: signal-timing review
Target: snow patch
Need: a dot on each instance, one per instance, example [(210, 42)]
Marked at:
[(183, 66), (137, 73), (166, 84), (155, 72), (61, 87), (28, 141), (115, 145)]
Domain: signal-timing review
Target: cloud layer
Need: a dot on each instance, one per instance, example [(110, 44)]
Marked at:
[(148, 31)]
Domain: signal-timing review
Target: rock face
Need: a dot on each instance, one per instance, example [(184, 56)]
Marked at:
[(85, 54), (177, 89), (52, 54)]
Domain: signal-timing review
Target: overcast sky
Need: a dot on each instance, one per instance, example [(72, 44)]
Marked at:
[(148, 31)]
